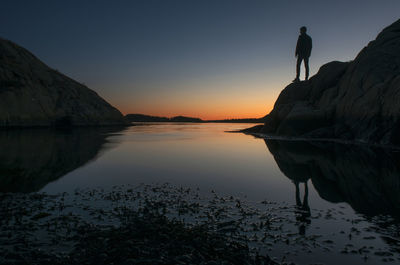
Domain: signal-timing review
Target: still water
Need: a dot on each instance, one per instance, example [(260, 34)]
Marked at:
[(348, 195)]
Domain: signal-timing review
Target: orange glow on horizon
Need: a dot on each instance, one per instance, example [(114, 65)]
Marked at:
[(206, 113), (205, 107), (213, 100)]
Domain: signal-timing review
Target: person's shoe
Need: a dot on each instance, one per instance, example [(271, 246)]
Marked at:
[(296, 80)]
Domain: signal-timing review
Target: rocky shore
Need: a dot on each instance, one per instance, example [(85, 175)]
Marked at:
[(142, 225), (163, 224), (351, 101)]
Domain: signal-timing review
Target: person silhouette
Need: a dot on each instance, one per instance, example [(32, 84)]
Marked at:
[(303, 52)]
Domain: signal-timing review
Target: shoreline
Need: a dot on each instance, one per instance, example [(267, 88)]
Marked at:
[(128, 224), (250, 131)]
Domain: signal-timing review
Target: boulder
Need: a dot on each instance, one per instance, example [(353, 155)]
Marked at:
[(33, 94), (355, 100)]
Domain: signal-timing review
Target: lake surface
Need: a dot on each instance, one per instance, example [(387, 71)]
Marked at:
[(347, 195)]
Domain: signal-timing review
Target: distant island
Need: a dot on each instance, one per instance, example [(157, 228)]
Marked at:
[(149, 118)]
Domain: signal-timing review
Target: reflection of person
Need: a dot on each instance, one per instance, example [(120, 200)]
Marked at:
[(303, 52), (304, 212)]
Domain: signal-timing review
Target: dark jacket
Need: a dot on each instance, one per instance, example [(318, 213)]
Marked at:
[(304, 46)]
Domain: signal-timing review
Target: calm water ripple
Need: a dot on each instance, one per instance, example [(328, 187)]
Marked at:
[(346, 196)]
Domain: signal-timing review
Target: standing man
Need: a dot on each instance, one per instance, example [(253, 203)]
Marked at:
[(303, 52)]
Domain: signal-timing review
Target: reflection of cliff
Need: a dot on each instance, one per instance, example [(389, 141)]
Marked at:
[(368, 179), (29, 159)]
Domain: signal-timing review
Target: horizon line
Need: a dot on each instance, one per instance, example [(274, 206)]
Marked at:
[(194, 117)]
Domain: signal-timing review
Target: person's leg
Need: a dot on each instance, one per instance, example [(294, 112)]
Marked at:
[(298, 64), (307, 67)]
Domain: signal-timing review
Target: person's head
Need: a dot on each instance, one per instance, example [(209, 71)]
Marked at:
[(303, 30)]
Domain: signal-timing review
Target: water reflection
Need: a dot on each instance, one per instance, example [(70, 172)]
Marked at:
[(303, 212), (31, 158), (366, 178)]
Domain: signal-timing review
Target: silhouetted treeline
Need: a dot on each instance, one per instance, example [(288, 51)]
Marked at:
[(148, 118)]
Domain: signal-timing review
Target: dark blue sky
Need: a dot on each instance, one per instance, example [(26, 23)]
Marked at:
[(212, 59)]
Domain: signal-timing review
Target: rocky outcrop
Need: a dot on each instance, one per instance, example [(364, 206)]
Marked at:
[(32, 94), (357, 100)]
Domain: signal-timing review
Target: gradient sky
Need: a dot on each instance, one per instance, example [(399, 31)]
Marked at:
[(208, 59)]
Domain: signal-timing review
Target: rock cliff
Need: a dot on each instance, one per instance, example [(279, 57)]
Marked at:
[(357, 100), (33, 94)]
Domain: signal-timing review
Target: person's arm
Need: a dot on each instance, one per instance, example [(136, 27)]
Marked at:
[(310, 47), (297, 47)]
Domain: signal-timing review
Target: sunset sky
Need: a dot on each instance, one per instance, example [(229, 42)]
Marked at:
[(209, 59)]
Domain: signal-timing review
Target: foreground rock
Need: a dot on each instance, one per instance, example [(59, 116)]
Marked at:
[(164, 224), (356, 100), (32, 94), (136, 226)]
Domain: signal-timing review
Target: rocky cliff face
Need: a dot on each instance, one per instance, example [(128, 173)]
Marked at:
[(357, 100), (32, 94)]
